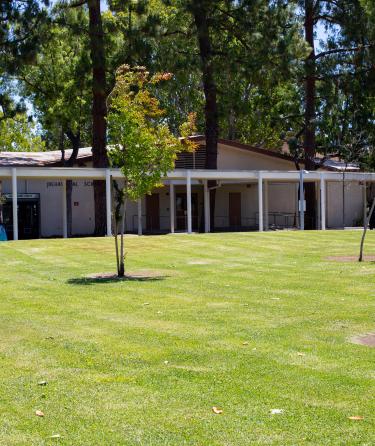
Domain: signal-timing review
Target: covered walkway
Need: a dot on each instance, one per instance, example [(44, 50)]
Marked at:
[(189, 179)]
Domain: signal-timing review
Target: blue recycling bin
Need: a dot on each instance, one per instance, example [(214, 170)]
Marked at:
[(3, 234)]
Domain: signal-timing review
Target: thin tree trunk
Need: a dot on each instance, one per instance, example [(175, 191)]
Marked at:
[(115, 229), (99, 109), (360, 259), (201, 19), (122, 253), (115, 226), (310, 126), (232, 130)]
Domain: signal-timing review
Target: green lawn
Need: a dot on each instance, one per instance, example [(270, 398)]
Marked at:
[(245, 322)]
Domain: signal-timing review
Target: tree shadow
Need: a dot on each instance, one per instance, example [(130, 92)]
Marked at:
[(113, 278)]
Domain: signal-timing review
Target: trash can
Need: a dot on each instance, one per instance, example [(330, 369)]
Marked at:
[(3, 234)]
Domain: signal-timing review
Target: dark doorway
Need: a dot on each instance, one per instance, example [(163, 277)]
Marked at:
[(28, 217), (235, 209), (152, 213), (181, 211)]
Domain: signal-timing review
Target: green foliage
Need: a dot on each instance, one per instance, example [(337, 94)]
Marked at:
[(58, 82), (18, 134), (19, 35), (141, 143), (258, 54)]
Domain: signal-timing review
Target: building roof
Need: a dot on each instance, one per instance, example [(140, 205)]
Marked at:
[(40, 159), (326, 163), (53, 158)]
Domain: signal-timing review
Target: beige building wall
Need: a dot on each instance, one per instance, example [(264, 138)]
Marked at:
[(344, 204), (50, 193), (282, 198), (249, 204), (231, 158)]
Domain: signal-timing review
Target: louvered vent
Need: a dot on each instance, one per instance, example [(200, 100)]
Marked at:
[(195, 160)]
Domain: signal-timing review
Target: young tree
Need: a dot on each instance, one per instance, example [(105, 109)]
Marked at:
[(142, 145), (365, 226)]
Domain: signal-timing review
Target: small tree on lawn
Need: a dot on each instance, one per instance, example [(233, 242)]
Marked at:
[(365, 226), (141, 144)]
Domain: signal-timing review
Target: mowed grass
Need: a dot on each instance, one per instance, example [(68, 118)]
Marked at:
[(245, 322)]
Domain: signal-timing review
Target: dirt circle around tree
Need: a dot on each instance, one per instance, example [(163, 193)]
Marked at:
[(133, 275), (368, 340), (366, 258)]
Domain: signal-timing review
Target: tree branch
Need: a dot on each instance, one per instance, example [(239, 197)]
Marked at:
[(342, 50), (78, 4)]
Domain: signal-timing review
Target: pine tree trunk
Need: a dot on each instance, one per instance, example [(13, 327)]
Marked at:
[(310, 97), (201, 19), (99, 109), (121, 272)]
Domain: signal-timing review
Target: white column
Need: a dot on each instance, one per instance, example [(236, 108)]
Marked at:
[(318, 218), (64, 211), (139, 216), (301, 202), (323, 203), (364, 202), (171, 206), (108, 201), (206, 198), (266, 205), (188, 200), (260, 201), (14, 203), (296, 204)]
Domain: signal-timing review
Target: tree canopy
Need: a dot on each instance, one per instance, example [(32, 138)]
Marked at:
[(265, 72)]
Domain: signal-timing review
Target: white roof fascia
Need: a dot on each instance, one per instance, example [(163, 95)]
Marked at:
[(180, 174)]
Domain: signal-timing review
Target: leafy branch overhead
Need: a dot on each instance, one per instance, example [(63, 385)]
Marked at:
[(142, 144)]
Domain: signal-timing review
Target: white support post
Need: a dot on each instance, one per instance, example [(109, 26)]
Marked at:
[(139, 216), (14, 203), (364, 202), (318, 219), (64, 211), (108, 201), (188, 200), (301, 202), (260, 201), (206, 199), (297, 204), (266, 205), (323, 203), (171, 206)]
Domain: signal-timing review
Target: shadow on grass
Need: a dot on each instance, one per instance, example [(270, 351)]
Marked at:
[(113, 278), (352, 259)]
